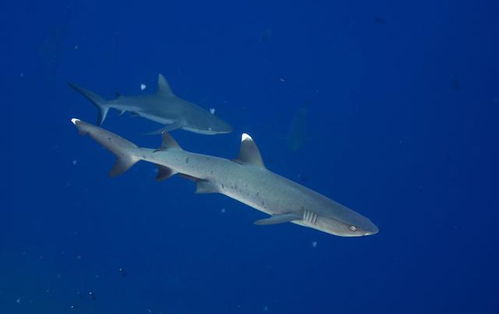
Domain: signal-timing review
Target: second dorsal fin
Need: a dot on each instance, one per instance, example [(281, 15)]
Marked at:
[(249, 152), (168, 142), (163, 86)]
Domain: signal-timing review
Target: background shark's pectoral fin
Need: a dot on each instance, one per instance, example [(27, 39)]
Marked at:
[(278, 219), (167, 128), (205, 186), (164, 173)]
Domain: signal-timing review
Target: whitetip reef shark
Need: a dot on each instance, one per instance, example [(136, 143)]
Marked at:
[(245, 179), (163, 107)]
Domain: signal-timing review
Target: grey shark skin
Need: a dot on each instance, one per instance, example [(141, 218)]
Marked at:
[(245, 179), (162, 107)]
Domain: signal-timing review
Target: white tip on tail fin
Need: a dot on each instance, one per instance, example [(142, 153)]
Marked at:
[(75, 121)]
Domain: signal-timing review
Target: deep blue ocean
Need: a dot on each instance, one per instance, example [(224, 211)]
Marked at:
[(389, 107)]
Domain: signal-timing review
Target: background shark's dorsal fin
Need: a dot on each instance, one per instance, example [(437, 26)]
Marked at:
[(163, 86), (168, 142), (249, 152)]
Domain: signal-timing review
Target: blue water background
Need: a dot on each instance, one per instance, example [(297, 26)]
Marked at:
[(402, 102)]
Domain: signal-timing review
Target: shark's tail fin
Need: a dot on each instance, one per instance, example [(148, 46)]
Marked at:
[(97, 100), (125, 151)]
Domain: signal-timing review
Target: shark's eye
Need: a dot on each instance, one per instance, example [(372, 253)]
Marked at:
[(352, 228)]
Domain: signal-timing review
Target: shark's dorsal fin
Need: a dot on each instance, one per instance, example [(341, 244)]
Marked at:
[(163, 86), (168, 142), (249, 152)]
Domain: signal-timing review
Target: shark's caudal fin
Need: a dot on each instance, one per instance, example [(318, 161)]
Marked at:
[(124, 150), (97, 100)]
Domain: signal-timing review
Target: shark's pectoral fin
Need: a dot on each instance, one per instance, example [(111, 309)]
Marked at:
[(167, 128), (164, 173), (205, 186), (278, 219)]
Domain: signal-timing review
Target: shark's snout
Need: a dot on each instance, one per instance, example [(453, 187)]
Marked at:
[(370, 229)]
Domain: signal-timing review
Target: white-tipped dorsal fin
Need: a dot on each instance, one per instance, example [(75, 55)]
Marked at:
[(249, 152), (163, 86)]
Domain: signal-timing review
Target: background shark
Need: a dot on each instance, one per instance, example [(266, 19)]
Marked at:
[(162, 107), (245, 179)]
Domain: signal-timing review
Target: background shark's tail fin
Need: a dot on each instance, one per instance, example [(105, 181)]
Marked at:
[(97, 100), (125, 151)]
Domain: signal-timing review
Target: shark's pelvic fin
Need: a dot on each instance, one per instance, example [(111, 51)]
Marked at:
[(97, 100), (249, 152), (278, 219), (205, 186), (164, 173), (163, 86)]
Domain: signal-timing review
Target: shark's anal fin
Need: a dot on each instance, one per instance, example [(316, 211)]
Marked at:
[(278, 219), (163, 86), (205, 186), (164, 173), (249, 152)]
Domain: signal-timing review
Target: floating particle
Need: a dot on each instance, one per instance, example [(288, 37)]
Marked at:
[(73, 307), (265, 308), (122, 271), (223, 210), (282, 79), (314, 243), (143, 86), (91, 294), (18, 300), (212, 110), (74, 162), (75, 47), (21, 74)]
